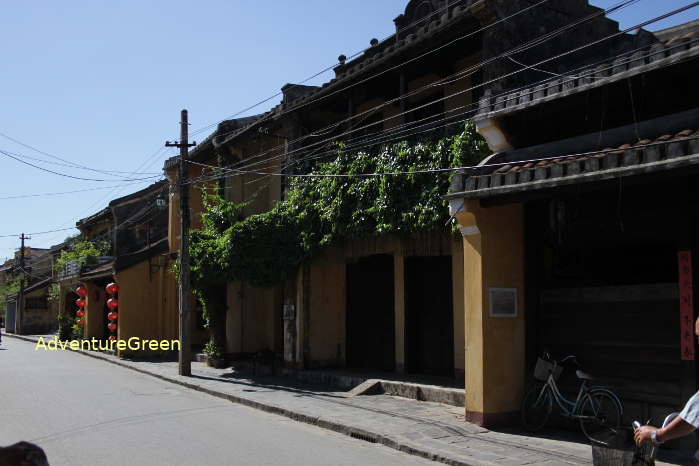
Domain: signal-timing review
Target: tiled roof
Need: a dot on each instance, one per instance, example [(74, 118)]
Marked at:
[(658, 55), (645, 156)]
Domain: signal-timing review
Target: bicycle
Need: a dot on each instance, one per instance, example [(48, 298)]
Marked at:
[(598, 409)]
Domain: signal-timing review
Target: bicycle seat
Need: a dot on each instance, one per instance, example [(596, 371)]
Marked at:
[(583, 375)]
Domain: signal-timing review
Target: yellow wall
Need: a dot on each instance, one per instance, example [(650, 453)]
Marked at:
[(253, 318), (147, 301), (327, 309), (327, 313), (494, 356)]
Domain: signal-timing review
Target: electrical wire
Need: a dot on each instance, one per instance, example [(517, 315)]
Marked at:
[(493, 80), (402, 64), (324, 70), (66, 162), (463, 73), (464, 168), (10, 155), (24, 196), (563, 54)]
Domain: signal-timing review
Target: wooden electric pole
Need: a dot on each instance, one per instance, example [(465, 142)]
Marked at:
[(19, 309), (185, 353)]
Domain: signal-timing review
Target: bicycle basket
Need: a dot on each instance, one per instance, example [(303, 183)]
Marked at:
[(544, 368), (621, 450)]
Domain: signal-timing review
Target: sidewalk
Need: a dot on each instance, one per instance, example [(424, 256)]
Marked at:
[(430, 430)]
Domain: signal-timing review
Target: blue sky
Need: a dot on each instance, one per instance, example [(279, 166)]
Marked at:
[(101, 83)]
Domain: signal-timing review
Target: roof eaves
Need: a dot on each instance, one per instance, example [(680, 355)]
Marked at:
[(656, 56), (664, 153)]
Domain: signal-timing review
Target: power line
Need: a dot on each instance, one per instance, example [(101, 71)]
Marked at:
[(510, 74), (66, 162), (114, 191), (246, 163), (10, 155), (535, 42), (17, 235), (351, 57), (23, 196), (402, 64), (61, 164), (464, 168)]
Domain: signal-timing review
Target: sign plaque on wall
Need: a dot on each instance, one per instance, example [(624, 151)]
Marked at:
[(503, 302), (684, 259)]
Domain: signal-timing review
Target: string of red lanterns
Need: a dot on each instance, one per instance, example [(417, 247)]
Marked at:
[(112, 289), (81, 291)]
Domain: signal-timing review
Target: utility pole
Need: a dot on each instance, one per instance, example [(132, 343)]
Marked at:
[(19, 317), (185, 353)]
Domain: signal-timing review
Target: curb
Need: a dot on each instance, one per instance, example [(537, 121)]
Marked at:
[(360, 434)]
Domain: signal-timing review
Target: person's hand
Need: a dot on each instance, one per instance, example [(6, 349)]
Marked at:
[(642, 434)]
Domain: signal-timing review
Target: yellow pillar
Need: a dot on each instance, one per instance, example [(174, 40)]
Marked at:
[(494, 341)]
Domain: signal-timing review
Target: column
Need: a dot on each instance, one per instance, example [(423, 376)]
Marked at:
[(493, 311)]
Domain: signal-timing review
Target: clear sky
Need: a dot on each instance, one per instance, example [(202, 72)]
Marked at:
[(101, 83)]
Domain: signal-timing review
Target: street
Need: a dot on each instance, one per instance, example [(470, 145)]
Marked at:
[(84, 411)]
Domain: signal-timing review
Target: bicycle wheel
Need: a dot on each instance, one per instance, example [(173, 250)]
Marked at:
[(536, 407), (602, 411)]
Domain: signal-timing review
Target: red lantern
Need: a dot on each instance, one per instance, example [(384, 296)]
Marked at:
[(112, 326), (80, 302), (112, 338), (112, 288), (112, 316), (80, 313), (112, 303), (81, 322), (81, 291)]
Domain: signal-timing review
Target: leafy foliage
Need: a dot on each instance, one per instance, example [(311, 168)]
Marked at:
[(82, 251), (213, 350), (264, 249), (10, 286)]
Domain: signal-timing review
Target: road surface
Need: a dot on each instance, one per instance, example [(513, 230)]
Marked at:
[(83, 411)]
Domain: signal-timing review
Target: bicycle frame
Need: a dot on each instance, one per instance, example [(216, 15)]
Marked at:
[(568, 407)]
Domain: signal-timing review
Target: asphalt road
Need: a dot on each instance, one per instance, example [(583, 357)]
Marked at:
[(84, 411)]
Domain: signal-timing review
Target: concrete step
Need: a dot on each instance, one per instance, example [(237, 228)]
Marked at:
[(421, 392)]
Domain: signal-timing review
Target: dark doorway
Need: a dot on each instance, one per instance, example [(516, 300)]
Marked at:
[(370, 314), (602, 284), (429, 320)]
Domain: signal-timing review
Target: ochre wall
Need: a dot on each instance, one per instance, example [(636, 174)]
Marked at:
[(253, 318), (493, 258), (327, 290), (327, 310), (148, 302)]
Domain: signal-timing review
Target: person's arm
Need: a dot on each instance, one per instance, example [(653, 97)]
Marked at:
[(677, 428)]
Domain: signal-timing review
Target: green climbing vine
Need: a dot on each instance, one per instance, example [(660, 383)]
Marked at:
[(82, 251), (264, 249)]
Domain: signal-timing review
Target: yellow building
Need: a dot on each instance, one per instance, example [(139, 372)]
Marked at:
[(139, 263)]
